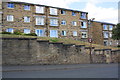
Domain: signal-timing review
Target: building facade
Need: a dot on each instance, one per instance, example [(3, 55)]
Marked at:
[(102, 33), (44, 20), (48, 21)]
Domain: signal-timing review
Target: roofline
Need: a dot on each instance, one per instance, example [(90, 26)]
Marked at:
[(44, 5), (105, 23)]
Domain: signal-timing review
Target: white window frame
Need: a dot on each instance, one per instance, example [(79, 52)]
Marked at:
[(40, 20), (74, 23), (63, 22), (27, 7), (27, 19), (53, 22), (106, 34), (27, 31), (83, 16), (54, 33), (10, 30), (10, 18), (74, 33), (40, 32), (105, 27), (110, 34), (83, 35), (110, 27), (53, 11), (40, 9), (63, 33), (63, 12), (84, 24)]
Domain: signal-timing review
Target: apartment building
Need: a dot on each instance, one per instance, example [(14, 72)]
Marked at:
[(102, 33), (0, 14), (44, 20)]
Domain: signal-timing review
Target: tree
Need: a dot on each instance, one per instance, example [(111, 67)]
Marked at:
[(116, 33)]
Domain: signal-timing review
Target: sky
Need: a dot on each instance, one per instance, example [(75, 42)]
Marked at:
[(101, 10)]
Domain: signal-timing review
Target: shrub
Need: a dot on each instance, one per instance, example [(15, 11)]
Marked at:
[(54, 40), (6, 33), (31, 34), (18, 33)]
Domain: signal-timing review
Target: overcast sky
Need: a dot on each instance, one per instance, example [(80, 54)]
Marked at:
[(101, 10)]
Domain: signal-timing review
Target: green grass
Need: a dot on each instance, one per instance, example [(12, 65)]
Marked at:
[(63, 40)]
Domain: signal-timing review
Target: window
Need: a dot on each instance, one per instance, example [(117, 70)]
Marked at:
[(83, 24), (106, 34), (39, 21), (53, 22), (39, 9), (26, 7), (84, 34), (105, 43), (110, 27), (73, 14), (53, 11), (26, 31), (110, 34), (105, 27), (9, 30), (40, 32), (74, 33), (53, 33), (63, 33), (27, 19), (74, 23), (63, 12), (83, 15), (63, 22), (110, 43), (10, 5), (10, 18)]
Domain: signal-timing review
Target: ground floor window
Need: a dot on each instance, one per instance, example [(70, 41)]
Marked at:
[(84, 34), (74, 33), (9, 30), (53, 33), (26, 31), (40, 32), (105, 43)]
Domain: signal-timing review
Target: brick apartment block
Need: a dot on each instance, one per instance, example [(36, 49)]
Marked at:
[(52, 22)]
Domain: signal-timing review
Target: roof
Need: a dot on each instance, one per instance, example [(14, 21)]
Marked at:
[(43, 5)]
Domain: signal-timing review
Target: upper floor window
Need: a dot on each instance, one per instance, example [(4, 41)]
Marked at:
[(10, 5), (63, 12), (84, 34), (53, 11), (74, 23), (74, 33), (10, 18), (110, 34), (83, 24), (26, 7), (73, 14), (26, 31), (26, 19), (106, 34), (39, 9), (39, 21), (110, 27), (83, 15), (63, 33), (105, 27), (63, 22), (53, 22), (9, 30)]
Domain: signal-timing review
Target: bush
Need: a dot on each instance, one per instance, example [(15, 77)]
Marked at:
[(54, 40), (31, 34), (6, 33), (18, 33)]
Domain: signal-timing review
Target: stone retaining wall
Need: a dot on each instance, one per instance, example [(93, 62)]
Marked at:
[(28, 51)]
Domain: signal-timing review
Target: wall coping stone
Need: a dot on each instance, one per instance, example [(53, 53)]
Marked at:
[(19, 38), (42, 40), (55, 43), (68, 44), (80, 45), (89, 47)]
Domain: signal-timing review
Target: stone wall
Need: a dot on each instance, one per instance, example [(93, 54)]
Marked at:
[(28, 51)]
